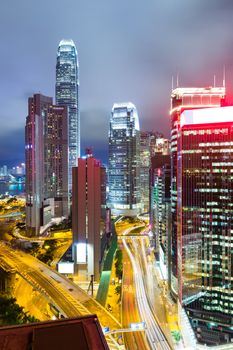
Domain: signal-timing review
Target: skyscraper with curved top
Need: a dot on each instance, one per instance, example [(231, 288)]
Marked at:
[(67, 94), (124, 160)]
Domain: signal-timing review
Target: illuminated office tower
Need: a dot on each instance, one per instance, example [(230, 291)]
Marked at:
[(160, 209), (34, 159), (150, 143), (5, 170), (46, 153), (23, 168), (87, 224), (205, 224), (56, 158), (162, 145), (67, 94), (124, 162), (182, 99), (145, 156)]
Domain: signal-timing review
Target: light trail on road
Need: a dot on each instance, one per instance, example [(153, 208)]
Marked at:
[(153, 332), (65, 295), (130, 313), (154, 295), (148, 268)]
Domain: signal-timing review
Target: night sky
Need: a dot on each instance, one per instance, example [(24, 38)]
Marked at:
[(128, 51)]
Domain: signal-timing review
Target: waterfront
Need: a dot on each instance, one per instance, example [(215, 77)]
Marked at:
[(12, 189)]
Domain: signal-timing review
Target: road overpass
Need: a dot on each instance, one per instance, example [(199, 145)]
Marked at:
[(66, 296), (11, 215)]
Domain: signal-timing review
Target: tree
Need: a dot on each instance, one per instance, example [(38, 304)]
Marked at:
[(11, 200), (11, 313), (176, 335), (119, 263), (118, 290), (49, 246), (33, 249)]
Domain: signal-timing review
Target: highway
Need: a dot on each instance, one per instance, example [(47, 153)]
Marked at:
[(61, 292), (130, 314), (155, 295), (154, 334)]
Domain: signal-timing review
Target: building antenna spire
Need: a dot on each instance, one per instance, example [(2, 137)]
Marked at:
[(172, 82), (177, 79), (224, 76), (214, 80)]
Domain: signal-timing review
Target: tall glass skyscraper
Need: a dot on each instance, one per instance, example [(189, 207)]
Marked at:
[(205, 226), (184, 99), (124, 160), (67, 94), (46, 158)]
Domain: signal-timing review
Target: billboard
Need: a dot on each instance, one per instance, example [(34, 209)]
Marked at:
[(137, 326), (66, 267), (81, 253)]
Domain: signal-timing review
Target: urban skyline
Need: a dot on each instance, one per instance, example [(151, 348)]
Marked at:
[(138, 231), (145, 72)]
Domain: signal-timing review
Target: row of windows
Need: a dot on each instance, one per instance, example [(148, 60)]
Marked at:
[(208, 144), (206, 132), (220, 150), (213, 190)]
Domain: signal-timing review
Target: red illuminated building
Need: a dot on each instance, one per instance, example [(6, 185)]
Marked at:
[(204, 220), (184, 99)]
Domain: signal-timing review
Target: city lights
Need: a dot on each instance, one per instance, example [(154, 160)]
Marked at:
[(116, 217)]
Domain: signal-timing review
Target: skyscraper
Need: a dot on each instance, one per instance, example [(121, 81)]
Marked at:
[(87, 206), (67, 94), (145, 157), (183, 99), (124, 160), (46, 154), (56, 158), (205, 225), (151, 143), (34, 159), (160, 208)]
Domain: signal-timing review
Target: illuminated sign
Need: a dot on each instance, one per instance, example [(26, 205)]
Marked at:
[(81, 253), (138, 325), (105, 330), (206, 116), (66, 267)]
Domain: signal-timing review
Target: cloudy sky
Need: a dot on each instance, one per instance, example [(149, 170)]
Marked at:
[(128, 51)]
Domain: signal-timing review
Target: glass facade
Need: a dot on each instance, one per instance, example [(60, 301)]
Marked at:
[(144, 169), (46, 155), (205, 206), (34, 160), (67, 94), (183, 99), (124, 160), (56, 158), (161, 208), (205, 203), (150, 143)]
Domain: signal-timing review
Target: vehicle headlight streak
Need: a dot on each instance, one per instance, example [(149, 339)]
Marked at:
[(148, 270), (153, 332)]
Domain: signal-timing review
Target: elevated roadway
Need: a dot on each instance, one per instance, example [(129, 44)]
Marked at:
[(66, 296)]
